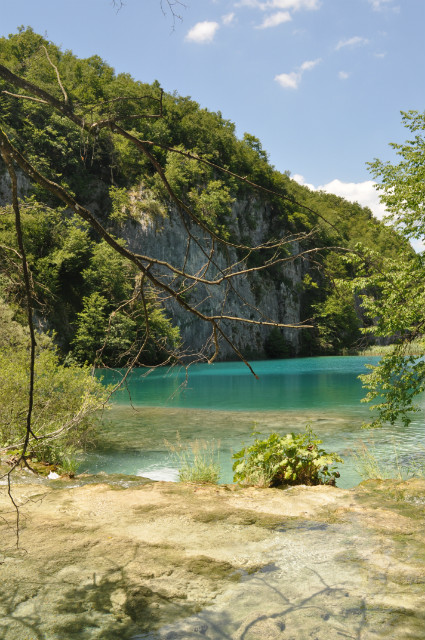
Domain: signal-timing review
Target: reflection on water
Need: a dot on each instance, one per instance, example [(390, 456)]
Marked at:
[(300, 383), (225, 403)]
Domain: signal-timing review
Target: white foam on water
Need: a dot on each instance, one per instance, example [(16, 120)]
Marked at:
[(162, 473)]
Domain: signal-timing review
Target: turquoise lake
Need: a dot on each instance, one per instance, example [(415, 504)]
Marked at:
[(223, 404)]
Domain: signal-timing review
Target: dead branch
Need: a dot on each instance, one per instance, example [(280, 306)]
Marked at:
[(226, 274), (254, 185), (22, 97), (65, 95), (63, 108), (171, 4), (6, 248)]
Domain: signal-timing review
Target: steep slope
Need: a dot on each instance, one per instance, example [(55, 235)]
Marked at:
[(79, 280)]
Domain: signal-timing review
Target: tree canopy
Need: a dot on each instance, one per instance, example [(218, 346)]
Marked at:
[(392, 288)]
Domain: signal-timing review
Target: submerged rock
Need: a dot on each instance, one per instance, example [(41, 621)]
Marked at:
[(167, 561)]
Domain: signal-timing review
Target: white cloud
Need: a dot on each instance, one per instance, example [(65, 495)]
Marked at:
[(253, 4), (293, 5), (289, 80), (381, 5), (292, 80), (202, 32), (351, 42), (228, 18), (343, 75), (288, 5), (310, 64), (275, 19), (301, 180), (380, 55), (364, 193), (378, 4)]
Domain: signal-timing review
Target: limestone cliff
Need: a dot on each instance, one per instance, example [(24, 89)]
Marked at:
[(262, 295), (267, 295)]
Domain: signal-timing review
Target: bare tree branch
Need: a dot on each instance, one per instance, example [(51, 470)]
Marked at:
[(254, 185), (141, 260), (19, 95), (63, 108), (65, 95)]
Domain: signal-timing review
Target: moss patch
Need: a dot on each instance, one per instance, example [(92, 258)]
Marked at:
[(212, 569)]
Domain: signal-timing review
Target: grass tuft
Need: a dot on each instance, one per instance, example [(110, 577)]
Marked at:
[(197, 461), (370, 464), (414, 348)]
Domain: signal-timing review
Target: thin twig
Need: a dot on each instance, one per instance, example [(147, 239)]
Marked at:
[(65, 95), (18, 95)]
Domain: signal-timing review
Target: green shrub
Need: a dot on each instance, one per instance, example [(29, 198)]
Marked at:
[(65, 403), (285, 460)]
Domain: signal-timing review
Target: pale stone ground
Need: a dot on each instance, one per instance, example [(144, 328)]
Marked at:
[(172, 561)]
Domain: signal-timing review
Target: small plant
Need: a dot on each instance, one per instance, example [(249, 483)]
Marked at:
[(285, 460), (197, 461), (69, 464), (371, 465)]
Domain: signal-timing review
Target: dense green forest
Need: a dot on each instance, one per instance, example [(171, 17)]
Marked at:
[(82, 286)]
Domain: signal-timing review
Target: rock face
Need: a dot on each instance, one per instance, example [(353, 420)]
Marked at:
[(268, 296), (5, 188), (159, 561)]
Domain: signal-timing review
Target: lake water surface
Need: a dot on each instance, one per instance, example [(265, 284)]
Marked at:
[(223, 403)]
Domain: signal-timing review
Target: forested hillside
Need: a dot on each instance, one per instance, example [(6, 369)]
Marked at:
[(88, 294)]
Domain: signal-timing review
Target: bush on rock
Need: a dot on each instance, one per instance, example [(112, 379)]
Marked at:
[(286, 460)]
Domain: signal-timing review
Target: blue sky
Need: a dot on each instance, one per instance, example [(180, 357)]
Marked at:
[(320, 82)]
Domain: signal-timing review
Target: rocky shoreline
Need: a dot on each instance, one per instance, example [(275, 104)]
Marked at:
[(160, 560)]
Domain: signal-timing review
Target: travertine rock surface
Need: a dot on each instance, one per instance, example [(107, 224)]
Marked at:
[(165, 561)]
